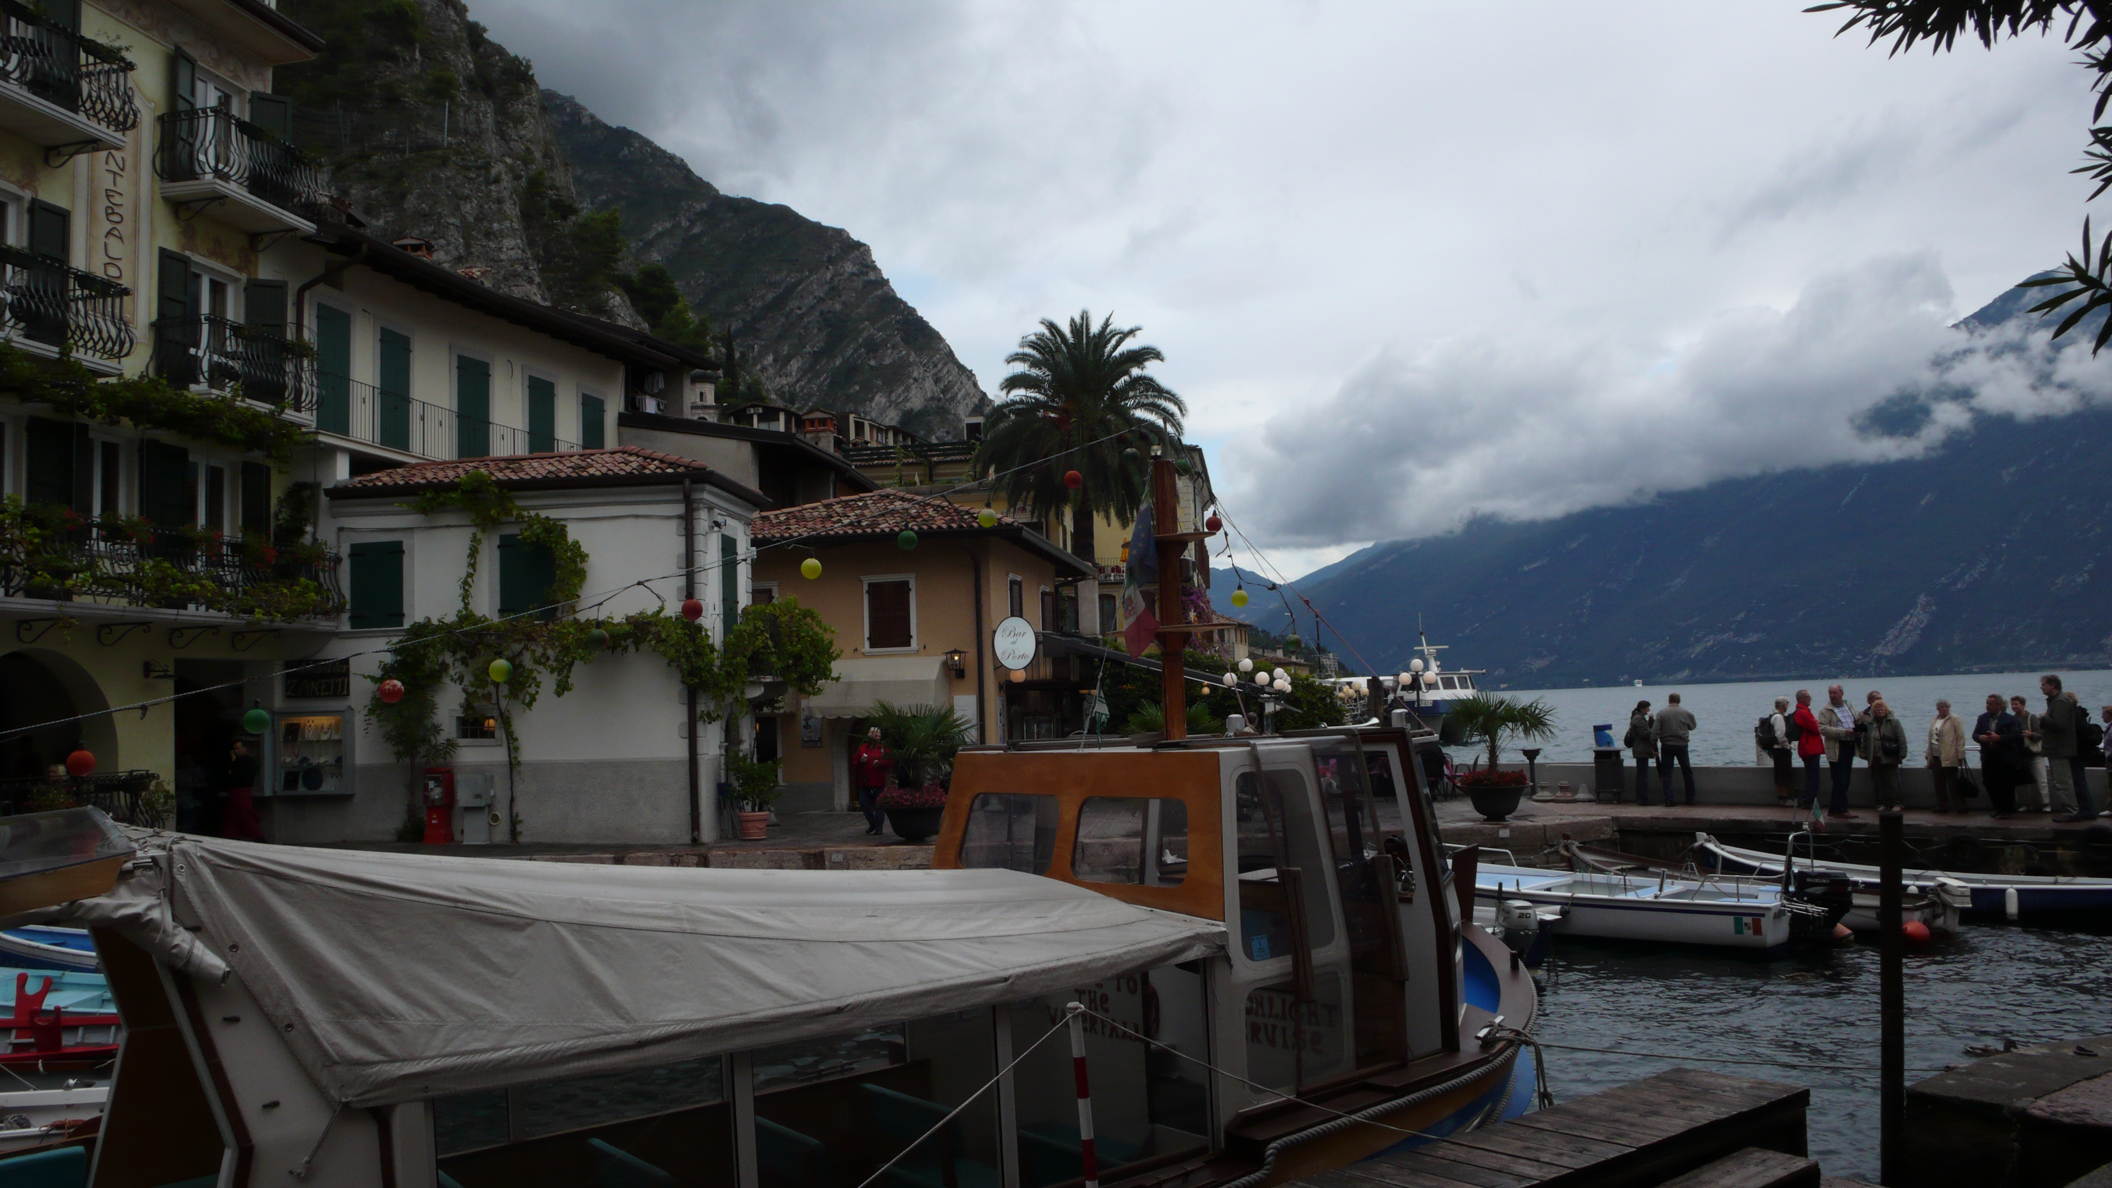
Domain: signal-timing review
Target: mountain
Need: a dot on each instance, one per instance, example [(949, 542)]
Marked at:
[(432, 129), (1990, 553)]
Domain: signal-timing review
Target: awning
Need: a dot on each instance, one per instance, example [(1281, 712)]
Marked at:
[(903, 680)]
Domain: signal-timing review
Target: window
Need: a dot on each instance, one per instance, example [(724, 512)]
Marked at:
[(890, 614), (729, 583), (542, 415), (482, 724), (467, 1125), (110, 478), (592, 416), (1016, 598), (1280, 865), (1010, 831), (526, 573), (164, 483), (1131, 839), (215, 508), (256, 498), (769, 746), (60, 457), (472, 407), (376, 583), (763, 595), (333, 369), (1109, 618), (1048, 610)]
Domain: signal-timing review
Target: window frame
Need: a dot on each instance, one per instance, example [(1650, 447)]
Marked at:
[(865, 611)]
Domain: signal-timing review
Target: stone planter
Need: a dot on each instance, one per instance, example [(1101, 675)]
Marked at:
[(1496, 802), (753, 826), (916, 824)]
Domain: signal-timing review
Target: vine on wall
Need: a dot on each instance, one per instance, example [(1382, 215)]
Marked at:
[(148, 402)]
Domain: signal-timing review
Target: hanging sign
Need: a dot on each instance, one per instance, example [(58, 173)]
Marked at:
[(1013, 642), (306, 678)]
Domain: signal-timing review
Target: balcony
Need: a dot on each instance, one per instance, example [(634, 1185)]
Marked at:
[(60, 308), (219, 353), (248, 177), (363, 412), (55, 554), (60, 89)]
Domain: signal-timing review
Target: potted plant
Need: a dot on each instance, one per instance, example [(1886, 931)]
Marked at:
[(755, 787), (1496, 720), (921, 740)]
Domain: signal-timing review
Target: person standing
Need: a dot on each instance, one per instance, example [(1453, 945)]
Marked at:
[(1837, 725), (2002, 755), (1883, 747), (1641, 740), (871, 765), (1779, 752), (2057, 734), (239, 817), (1811, 747), (1946, 754), (2028, 725), (1675, 729)]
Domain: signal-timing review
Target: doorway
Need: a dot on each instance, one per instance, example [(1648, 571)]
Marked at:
[(207, 727)]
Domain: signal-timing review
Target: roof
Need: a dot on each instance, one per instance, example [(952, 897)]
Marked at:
[(887, 513), (800, 446), (624, 466), (929, 451)]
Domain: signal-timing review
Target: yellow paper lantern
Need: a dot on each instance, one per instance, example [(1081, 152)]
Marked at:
[(810, 568)]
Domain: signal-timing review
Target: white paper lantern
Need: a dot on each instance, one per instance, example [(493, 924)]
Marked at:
[(1283, 686), (1246, 666), (1262, 679), (1415, 666), (1231, 678), (1281, 675)]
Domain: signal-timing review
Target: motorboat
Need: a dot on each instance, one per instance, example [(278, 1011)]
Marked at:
[(1249, 939), (1938, 910), (1656, 906), (2006, 896)]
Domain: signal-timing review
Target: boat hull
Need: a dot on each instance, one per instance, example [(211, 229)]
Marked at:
[(40, 947), (2006, 896), (1666, 911)]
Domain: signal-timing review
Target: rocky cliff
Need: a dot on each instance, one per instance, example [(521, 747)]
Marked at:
[(805, 303)]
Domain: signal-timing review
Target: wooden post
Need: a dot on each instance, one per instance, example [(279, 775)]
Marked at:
[(1173, 613), (1891, 999)]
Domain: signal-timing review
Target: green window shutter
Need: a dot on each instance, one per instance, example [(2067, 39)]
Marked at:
[(273, 113), (256, 497), (165, 494), (526, 573), (377, 583), (173, 286), (50, 231), (49, 475), (393, 417), (264, 306), (333, 370), (591, 413), (472, 407), (183, 78), (729, 584), (542, 415)]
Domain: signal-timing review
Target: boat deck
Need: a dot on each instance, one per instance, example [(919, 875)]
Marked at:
[(1646, 1132)]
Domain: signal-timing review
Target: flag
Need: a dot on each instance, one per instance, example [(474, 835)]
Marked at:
[(1142, 570)]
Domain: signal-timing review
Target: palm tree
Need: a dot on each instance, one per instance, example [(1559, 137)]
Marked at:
[(1079, 401), (1496, 720)]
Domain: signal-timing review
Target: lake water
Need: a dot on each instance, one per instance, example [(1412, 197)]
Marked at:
[(1725, 713), (1700, 1009)]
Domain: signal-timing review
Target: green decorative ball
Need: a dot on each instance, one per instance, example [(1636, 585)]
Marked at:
[(256, 721), (810, 568), (501, 671), (1292, 641), (597, 639), (908, 540), (986, 518)]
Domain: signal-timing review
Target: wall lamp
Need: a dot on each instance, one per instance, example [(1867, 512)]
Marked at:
[(957, 662)]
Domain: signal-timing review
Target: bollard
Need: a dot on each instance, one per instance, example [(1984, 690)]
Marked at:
[(1891, 998), (1089, 1160)]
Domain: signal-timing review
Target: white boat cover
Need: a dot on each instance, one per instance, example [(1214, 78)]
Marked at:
[(397, 977)]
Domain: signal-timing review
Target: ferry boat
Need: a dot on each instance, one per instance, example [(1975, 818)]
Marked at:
[(1427, 690)]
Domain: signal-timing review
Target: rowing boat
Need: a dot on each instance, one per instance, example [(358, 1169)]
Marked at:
[(2009, 896)]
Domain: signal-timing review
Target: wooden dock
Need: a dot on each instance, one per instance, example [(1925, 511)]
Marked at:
[(1662, 1130)]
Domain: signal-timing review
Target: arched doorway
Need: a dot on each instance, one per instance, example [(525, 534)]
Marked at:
[(39, 686)]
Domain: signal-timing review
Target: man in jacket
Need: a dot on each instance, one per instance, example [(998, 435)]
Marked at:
[(871, 766), (1837, 724), (1675, 729), (2002, 755), (1946, 754), (2035, 776), (2057, 734), (1811, 747)]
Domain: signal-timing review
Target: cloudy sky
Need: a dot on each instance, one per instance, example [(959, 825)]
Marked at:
[(1406, 261)]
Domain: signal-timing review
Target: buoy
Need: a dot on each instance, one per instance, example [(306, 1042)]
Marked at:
[(1073, 479), (2009, 902), (80, 763), (906, 541), (501, 671), (1916, 932), (810, 568), (597, 639), (1843, 935), (391, 691), (256, 721), (692, 609)]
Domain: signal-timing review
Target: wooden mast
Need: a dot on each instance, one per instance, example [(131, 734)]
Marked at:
[(1173, 612)]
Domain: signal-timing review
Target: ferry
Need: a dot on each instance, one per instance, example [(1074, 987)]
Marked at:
[(1427, 689)]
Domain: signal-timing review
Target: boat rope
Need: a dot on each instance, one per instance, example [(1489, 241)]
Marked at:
[(301, 1172), (1689, 1057)]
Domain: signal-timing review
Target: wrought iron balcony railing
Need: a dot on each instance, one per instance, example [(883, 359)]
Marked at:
[(366, 413), (63, 68), (222, 353), (61, 306), (174, 569), (213, 144)]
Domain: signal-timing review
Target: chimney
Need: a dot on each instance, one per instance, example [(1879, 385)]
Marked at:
[(421, 248), (972, 429), (819, 428)]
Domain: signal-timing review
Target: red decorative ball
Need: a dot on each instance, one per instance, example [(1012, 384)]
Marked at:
[(391, 691), (692, 609), (1214, 524), (1073, 479), (1916, 932), (80, 763)]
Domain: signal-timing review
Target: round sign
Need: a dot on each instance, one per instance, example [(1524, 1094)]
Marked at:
[(1013, 641)]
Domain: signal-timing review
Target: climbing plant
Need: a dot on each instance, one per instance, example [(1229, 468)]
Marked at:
[(148, 402)]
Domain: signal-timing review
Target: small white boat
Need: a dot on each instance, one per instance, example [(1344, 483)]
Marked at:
[(1737, 914), (2009, 896), (29, 1117), (1938, 910)]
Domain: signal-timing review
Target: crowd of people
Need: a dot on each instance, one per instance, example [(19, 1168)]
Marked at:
[(2029, 762)]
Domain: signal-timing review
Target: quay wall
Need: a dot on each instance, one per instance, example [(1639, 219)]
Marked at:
[(1756, 785)]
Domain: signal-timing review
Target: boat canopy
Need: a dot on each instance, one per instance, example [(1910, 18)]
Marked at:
[(398, 977)]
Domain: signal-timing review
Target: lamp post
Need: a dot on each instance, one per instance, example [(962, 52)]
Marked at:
[(1532, 770)]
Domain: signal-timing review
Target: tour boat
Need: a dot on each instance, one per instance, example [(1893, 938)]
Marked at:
[(1656, 906), (2005, 895), (1427, 689), (1256, 941), (1938, 910)]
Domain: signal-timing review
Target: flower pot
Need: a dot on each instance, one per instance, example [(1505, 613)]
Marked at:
[(752, 825), (1496, 802), (914, 824)]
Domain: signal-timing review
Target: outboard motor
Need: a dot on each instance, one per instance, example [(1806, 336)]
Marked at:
[(1817, 901), (1519, 923)]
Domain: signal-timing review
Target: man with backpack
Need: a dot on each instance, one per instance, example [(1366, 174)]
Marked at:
[(1811, 748), (1771, 736), (2060, 737)]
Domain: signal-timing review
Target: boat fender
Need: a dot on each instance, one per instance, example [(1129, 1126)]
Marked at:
[(1917, 933), (2009, 902)]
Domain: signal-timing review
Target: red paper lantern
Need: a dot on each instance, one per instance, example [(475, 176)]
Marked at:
[(1073, 479), (80, 763), (1214, 524), (391, 691), (692, 609)]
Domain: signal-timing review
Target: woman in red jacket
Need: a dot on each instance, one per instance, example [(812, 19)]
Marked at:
[(871, 765), (1811, 748)]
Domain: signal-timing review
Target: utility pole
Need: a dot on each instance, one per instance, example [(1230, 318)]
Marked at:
[(1891, 999)]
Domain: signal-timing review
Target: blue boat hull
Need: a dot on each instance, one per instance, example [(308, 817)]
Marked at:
[(36, 947)]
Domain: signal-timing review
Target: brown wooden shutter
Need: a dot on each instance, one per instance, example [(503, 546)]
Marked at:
[(887, 615)]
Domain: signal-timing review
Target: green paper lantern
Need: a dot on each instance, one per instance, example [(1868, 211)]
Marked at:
[(501, 671), (986, 518), (256, 721), (810, 568), (1292, 641), (908, 540), (597, 640), (1239, 597)]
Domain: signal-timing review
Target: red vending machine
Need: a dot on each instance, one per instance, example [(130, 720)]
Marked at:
[(439, 805)]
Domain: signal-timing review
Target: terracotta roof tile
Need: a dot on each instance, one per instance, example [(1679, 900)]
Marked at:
[(626, 462), (879, 514)]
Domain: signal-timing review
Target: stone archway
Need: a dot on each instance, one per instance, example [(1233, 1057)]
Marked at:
[(38, 685)]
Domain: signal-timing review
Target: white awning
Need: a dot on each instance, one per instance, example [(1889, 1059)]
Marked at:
[(902, 680), (395, 977)]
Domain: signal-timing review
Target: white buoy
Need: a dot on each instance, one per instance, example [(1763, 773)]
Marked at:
[(2009, 902)]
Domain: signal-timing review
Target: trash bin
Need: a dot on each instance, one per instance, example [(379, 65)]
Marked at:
[(1609, 772)]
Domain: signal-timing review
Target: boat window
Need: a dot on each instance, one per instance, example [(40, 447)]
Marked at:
[(1131, 839), (571, 1131), (1010, 831), (1148, 1102), (1448, 682), (831, 1112), (1292, 1043), (1278, 836)]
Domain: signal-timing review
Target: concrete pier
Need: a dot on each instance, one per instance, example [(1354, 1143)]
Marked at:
[(2038, 1117)]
